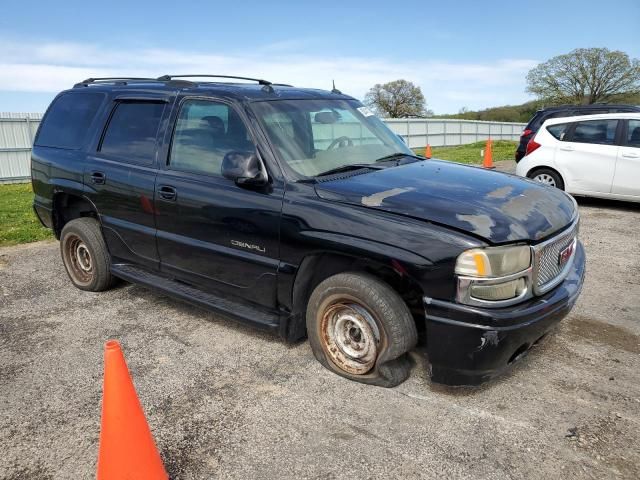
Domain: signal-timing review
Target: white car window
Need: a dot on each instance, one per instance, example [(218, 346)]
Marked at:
[(595, 131), (558, 131), (633, 134)]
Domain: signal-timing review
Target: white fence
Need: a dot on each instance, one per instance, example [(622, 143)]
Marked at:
[(17, 131), (439, 132)]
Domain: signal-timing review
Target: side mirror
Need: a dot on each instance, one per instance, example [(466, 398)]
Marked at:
[(244, 168)]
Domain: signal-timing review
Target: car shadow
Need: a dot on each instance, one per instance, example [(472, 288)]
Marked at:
[(620, 205)]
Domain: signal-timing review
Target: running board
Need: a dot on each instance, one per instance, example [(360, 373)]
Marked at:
[(257, 317)]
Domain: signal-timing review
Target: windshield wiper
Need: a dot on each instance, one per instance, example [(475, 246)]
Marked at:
[(396, 155), (346, 168)]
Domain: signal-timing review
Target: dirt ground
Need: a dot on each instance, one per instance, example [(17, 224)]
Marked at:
[(226, 401)]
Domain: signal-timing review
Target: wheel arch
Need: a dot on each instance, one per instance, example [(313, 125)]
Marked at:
[(317, 267), (533, 170), (69, 206)]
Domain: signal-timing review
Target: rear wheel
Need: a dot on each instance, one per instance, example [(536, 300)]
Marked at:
[(548, 177), (361, 329), (85, 255)]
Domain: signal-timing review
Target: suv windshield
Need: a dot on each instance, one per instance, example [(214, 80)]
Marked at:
[(320, 135)]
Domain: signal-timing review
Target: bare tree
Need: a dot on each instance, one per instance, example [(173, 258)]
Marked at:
[(397, 99), (585, 75)]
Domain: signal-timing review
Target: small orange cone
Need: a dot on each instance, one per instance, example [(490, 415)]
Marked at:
[(427, 151), (127, 449), (488, 155)]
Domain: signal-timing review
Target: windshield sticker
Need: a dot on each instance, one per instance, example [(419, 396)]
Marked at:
[(365, 111)]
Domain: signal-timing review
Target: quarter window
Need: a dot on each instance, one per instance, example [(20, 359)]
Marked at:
[(595, 131), (132, 131), (633, 133), (205, 132), (558, 131), (68, 120)]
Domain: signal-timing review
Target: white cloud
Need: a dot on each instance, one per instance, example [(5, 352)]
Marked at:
[(55, 66)]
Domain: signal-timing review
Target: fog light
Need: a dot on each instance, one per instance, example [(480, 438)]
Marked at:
[(499, 291)]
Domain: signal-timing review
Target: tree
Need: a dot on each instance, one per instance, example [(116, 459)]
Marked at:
[(397, 99), (585, 75)]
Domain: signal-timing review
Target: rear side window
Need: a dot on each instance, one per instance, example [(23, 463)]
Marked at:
[(595, 131), (132, 131), (558, 131), (633, 133), (68, 120)]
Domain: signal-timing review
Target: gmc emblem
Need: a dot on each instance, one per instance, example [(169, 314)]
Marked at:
[(565, 254)]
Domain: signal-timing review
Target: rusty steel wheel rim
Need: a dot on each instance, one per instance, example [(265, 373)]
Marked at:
[(78, 259), (350, 336)]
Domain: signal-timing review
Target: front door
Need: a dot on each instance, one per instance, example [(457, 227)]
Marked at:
[(589, 155), (627, 178), (212, 233)]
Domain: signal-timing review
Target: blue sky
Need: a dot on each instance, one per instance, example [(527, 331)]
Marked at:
[(461, 53)]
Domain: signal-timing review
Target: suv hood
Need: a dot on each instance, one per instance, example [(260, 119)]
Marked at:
[(494, 206)]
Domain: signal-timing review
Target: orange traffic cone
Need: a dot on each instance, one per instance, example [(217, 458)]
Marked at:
[(488, 155), (127, 449), (427, 151)]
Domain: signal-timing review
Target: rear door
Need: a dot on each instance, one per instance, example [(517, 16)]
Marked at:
[(119, 176), (626, 180), (212, 233), (588, 156)]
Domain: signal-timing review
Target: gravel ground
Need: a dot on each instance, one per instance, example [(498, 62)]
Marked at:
[(226, 401)]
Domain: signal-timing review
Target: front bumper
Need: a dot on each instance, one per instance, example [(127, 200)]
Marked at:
[(470, 345)]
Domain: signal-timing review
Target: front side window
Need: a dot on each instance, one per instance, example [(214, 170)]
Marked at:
[(68, 120), (595, 131), (132, 131), (633, 134), (315, 136), (205, 132), (558, 131)]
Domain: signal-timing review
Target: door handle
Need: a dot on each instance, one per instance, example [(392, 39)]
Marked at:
[(567, 149), (167, 192), (98, 178), (630, 155)]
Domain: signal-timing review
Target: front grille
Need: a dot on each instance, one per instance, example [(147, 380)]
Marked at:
[(546, 266)]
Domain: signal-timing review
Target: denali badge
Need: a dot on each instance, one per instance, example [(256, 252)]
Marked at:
[(249, 246), (565, 254)]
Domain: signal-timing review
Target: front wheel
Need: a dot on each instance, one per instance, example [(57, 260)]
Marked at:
[(85, 255), (361, 329), (548, 177)]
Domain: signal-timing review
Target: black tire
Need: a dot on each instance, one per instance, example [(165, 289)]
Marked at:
[(366, 312), (85, 255), (553, 178)]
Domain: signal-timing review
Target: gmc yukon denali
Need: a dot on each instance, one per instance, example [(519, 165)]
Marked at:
[(298, 211)]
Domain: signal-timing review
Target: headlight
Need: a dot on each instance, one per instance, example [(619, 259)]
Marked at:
[(494, 262), (494, 276)]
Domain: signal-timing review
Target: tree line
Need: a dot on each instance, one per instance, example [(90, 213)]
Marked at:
[(583, 76)]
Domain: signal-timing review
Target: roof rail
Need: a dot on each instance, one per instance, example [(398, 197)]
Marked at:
[(260, 81), (112, 79)]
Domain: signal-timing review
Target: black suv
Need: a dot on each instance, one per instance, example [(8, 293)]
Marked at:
[(565, 111), (300, 212)]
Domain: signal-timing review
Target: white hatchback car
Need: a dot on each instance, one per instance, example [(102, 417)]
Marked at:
[(591, 155)]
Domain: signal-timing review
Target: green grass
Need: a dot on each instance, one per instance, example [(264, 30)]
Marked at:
[(18, 222), (470, 153)]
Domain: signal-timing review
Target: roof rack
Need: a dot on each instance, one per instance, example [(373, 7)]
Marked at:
[(122, 80), (260, 81)]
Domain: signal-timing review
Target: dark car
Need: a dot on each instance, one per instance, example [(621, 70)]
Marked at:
[(299, 212), (565, 111)]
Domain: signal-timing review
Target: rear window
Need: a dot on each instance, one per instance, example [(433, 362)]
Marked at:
[(132, 130), (558, 131), (67, 122)]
